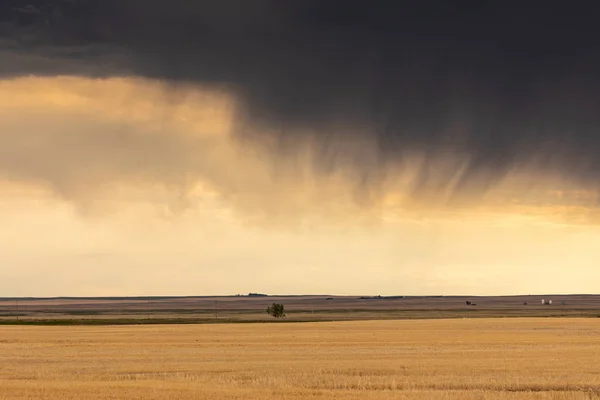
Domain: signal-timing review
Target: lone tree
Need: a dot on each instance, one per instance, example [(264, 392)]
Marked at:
[(276, 310)]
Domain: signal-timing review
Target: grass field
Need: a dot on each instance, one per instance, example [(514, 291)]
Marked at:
[(154, 310), (522, 358)]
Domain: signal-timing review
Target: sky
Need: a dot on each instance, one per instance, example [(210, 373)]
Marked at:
[(302, 147)]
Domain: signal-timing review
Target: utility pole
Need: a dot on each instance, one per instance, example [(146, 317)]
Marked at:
[(216, 309)]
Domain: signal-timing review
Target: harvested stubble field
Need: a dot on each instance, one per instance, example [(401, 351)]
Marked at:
[(521, 358)]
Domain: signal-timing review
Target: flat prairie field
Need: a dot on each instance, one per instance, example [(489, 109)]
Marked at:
[(520, 358)]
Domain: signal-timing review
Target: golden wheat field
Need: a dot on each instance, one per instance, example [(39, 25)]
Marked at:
[(417, 359)]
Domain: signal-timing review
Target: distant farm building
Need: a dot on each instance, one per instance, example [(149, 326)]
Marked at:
[(547, 302)]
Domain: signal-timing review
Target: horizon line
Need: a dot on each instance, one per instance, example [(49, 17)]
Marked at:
[(259, 295)]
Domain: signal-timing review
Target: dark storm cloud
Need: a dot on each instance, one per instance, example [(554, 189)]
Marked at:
[(497, 86)]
